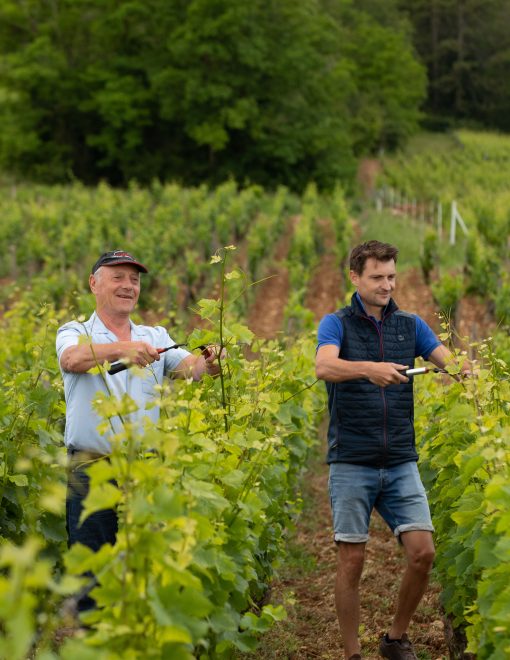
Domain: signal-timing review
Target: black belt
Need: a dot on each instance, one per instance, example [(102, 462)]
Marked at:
[(79, 457)]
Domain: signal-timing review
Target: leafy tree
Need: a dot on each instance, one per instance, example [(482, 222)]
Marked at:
[(389, 83), (465, 45), (269, 92), (254, 86)]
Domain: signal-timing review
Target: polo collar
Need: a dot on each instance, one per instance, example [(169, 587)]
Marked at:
[(98, 327), (359, 308)]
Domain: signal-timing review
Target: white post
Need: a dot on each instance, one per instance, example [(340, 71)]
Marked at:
[(452, 224), (461, 222)]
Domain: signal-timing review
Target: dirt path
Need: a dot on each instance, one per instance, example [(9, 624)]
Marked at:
[(413, 295), (324, 290), (311, 630), (266, 316), (326, 283)]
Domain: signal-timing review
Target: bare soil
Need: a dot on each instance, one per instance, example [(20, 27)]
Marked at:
[(367, 175), (413, 295), (474, 319), (311, 630), (326, 283), (266, 316)]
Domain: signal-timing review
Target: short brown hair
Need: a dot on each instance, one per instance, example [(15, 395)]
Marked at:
[(374, 250)]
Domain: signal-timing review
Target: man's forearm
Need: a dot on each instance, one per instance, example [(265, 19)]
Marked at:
[(333, 369), (82, 357), (338, 370), (195, 366), (442, 357)]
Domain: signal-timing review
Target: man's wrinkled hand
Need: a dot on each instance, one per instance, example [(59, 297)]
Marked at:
[(141, 353), (212, 355)]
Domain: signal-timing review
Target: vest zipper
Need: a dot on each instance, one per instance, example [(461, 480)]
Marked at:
[(381, 389)]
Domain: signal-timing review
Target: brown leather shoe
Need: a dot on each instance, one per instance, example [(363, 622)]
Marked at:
[(398, 649)]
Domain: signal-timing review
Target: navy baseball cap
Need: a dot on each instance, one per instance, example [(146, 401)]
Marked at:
[(116, 258)]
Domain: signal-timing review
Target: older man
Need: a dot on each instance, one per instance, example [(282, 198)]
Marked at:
[(110, 335)]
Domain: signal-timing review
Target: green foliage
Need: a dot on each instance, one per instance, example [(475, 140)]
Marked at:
[(58, 232), (265, 230), (448, 291), (54, 234), (309, 241), (429, 255), (193, 91), (482, 267), (341, 223), (464, 461), (305, 237), (202, 516), (472, 169), (31, 498), (389, 85), (502, 300), (465, 46), (26, 573)]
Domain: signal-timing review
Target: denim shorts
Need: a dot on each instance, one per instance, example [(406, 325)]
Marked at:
[(397, 493)]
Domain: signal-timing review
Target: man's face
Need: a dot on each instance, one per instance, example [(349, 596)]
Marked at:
[(376, 283), (116, 288)]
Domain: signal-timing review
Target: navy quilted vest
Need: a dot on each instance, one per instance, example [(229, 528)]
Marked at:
[(372, 425)]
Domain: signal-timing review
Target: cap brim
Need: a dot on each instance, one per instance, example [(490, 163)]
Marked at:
[(120, 262)]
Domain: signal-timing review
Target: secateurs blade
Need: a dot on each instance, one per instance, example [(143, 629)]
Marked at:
[(424, 370)]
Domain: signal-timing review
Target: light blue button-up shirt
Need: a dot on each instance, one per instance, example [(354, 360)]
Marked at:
[(81, 389)]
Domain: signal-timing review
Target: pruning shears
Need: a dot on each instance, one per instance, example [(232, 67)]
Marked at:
[(117, 367), (424, 370)]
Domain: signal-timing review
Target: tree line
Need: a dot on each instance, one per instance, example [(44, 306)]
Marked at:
[(263, 91), (465, 45), (278, 91)]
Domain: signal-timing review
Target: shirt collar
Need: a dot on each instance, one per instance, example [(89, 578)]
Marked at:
[(358, 298), (97, 326)]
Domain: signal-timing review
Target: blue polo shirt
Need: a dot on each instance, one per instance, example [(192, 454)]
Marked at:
[(81, 430), (331, 332)]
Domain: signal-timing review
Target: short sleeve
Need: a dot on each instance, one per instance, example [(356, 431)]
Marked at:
[(426, 339), (174, 356), (330, 331), (68, 335)]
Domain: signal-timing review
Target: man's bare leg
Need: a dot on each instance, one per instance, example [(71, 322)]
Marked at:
[(420, 553), (351, 557)]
